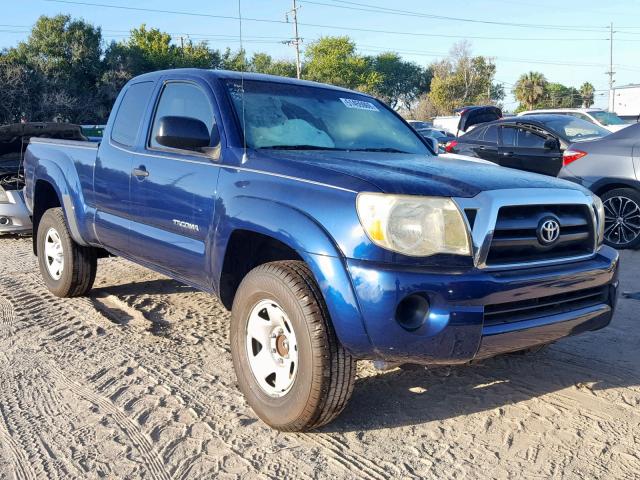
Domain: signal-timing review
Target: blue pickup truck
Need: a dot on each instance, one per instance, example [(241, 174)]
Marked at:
[(328, 227)]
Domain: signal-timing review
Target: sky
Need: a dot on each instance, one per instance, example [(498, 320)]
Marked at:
[(567, 40)]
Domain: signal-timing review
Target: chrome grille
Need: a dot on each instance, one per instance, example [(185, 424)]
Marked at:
[(516, 236)]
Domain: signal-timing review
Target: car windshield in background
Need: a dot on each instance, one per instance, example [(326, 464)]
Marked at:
[(293, 117), (608, 118), (575, 129)]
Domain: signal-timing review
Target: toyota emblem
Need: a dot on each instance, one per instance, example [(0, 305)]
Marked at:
[(548, 231)]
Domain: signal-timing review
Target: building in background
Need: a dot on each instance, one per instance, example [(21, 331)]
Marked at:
[(625, 101)]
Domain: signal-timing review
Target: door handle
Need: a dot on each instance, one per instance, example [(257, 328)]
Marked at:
[(140, 172), (507, 154)]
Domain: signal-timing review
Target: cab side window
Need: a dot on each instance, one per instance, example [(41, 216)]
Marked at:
[(130, 112), (181, 99)]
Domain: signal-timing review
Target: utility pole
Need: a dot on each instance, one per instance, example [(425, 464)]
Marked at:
[(611, 72), (296, 41)]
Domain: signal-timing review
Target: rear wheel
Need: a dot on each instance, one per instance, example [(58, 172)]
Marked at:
[(622, 218), (68, 269), (289, 364)]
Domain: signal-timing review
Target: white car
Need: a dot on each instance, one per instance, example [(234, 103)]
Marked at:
[(603, 118)]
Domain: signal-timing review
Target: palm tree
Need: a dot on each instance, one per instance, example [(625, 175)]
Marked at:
[(530, 89), (586, 92)]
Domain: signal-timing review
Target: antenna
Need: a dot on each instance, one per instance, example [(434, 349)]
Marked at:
[(245, 158), (296, 40)]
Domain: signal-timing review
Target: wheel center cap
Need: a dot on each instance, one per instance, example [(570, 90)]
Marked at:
[(282, 345)]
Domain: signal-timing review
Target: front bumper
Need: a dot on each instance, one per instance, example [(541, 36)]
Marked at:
[(14, 216), (455, 330)]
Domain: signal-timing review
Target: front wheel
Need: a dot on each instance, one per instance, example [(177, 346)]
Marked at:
[(622, 218), (68, 269), (289, 364)]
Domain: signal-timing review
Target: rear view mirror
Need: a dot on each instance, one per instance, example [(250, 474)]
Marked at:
[(551, 144), (183, 132)]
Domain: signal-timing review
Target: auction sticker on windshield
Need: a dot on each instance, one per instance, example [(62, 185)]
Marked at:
[(359, 104)]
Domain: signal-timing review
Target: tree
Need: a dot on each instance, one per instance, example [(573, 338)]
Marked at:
[(530, 89), (560, 96), (264, 63), (587, 94), (400, 82), (64, 58), (334, 60), (463, 80)]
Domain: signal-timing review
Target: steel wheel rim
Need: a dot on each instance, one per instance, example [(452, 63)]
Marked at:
[(53, 254), (621, 220), (272, 348)]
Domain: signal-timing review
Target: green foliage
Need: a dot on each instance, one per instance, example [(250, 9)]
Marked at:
[(334, 60), (462, 80), (400, 83), (530, 90), (561, 96), (587, 94)]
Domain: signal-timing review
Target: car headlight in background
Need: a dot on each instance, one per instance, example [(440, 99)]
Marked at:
[(3, 196), (413, 225), (599, 208)]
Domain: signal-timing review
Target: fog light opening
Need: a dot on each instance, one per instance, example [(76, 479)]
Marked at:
[(5, 221), (412, 312)]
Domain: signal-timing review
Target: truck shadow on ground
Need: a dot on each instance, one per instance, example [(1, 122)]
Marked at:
[(410, 397)]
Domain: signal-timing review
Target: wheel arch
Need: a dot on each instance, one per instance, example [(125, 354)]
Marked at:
[(268, 238)]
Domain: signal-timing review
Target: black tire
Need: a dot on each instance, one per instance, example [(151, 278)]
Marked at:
[(326, 371), (80, 263), (614, 236)]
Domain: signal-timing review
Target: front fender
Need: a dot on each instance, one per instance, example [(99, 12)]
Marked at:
[(314, 245)]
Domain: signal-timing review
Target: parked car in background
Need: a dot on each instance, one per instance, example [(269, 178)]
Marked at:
[(467, 118), (419, 124), (602, 118), (14, 138), (326, 225), (610, 167), (533, 143), (93, 132), (441, 137)]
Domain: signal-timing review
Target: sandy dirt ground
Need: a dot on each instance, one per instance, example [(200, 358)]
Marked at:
[(136, 382)]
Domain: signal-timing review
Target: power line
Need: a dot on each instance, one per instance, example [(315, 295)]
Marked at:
[(315, 25), (393, 11)]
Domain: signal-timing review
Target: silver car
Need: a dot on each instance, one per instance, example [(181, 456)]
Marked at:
[(14, 216), (610, 167), (14, 138)]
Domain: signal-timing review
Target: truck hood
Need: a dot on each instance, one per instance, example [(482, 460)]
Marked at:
[(405, 174)]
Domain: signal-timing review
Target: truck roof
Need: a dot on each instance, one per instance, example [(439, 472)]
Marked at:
[(234, 75)]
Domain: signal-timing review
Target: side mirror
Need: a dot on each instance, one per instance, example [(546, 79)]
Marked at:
[(185, 133), (551, 144)]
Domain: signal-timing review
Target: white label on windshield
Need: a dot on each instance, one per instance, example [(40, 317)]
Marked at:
[(359, 104)]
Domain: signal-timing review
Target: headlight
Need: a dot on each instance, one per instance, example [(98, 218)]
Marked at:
[(3, 196), (599, 208), (412, 225)]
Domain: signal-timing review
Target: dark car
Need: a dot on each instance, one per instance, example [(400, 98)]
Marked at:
[(533, 143), (609, 168), (440, 136)]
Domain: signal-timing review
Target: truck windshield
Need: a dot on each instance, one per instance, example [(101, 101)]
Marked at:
[(608, 118), (295, 117)]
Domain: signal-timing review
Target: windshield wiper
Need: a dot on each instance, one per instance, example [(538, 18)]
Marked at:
[(373, 149), (299, 147)]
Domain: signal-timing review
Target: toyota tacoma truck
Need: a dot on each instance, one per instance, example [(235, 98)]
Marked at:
[(328, 227)]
